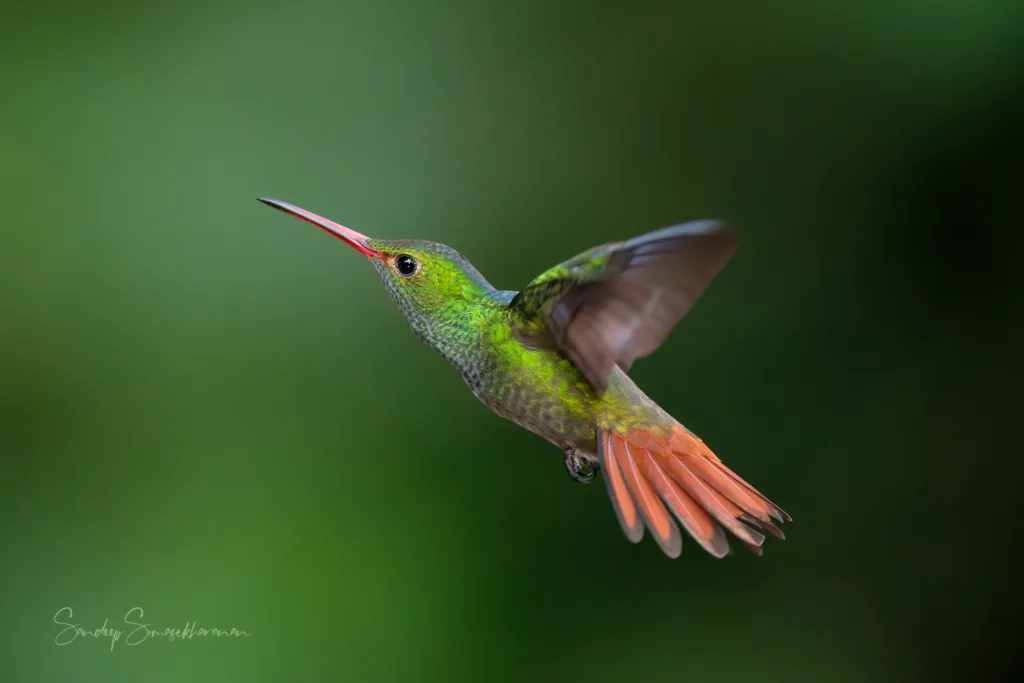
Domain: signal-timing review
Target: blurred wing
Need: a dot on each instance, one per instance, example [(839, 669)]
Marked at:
[(618, 302)]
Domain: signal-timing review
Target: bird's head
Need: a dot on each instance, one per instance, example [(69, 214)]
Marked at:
[(423, 278)]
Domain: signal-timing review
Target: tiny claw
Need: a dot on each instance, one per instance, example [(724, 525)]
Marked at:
[(580, 468)]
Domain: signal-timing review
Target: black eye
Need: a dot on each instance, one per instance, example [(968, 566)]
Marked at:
[(406, 265)]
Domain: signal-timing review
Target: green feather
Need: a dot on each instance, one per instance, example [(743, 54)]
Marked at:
[(490, 336)]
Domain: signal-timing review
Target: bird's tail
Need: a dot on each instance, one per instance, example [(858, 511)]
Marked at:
[(648, 475)]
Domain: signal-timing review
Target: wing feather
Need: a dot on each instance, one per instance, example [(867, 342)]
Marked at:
[(618, 302)]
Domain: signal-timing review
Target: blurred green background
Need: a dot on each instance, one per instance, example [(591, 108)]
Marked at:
[(213, 412)]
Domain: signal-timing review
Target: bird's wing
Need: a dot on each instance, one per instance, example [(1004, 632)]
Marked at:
[(618, 302)]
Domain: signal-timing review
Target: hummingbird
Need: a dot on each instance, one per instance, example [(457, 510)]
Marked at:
[(554, 357)]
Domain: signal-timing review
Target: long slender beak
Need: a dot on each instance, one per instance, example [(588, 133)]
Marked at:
[(357, 241)]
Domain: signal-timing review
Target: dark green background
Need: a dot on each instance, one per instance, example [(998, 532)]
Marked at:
[(213, 412)]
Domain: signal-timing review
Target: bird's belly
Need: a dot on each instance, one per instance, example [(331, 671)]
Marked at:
[(544, 416), (540, 391), (545, 419)]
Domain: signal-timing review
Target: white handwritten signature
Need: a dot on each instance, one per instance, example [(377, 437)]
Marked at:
[(140, 632)]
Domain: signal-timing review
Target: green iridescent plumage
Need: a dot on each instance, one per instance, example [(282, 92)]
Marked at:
[(481, 331), (553, 358)]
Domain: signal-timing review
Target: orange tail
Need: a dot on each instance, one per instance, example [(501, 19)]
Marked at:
[(648, 476)]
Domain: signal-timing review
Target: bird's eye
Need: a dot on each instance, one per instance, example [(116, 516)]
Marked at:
[(406, 265)]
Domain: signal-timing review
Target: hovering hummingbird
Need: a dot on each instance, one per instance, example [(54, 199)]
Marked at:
[(553, 359)]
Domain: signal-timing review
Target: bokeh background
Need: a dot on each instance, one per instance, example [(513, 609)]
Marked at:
[(212, 411)]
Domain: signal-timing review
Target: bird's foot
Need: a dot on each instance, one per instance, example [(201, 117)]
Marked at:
[(581, 468)]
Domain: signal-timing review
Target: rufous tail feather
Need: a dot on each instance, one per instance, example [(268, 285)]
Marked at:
[(657, 481)]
